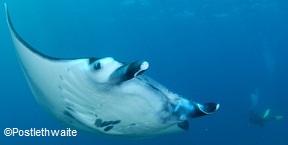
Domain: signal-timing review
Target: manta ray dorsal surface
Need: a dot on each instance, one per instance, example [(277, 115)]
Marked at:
[(103, 96)]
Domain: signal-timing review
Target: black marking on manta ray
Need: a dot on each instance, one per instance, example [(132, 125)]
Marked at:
[(108, 128), (60, 87), (116, 121), (13, 30), (70, 109), (68, 114), (98, 122), (106, 123)]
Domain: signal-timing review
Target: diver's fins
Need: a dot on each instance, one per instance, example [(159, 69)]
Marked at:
[(278, 117), (266, 114)]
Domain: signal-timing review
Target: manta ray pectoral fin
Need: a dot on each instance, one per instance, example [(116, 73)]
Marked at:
[(203, 109), (128, 71)]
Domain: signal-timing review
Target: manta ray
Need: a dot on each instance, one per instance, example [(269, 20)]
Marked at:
[(104, 96)]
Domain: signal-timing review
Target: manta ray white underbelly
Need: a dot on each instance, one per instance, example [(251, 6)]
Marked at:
[(104, 96)]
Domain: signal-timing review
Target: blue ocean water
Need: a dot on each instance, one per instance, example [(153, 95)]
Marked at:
[(204, 50)]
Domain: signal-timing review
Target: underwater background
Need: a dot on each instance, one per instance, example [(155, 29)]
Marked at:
[(207, 51)]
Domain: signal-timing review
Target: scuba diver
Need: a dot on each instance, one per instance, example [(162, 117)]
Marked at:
[(256, 117), (259, 119)]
